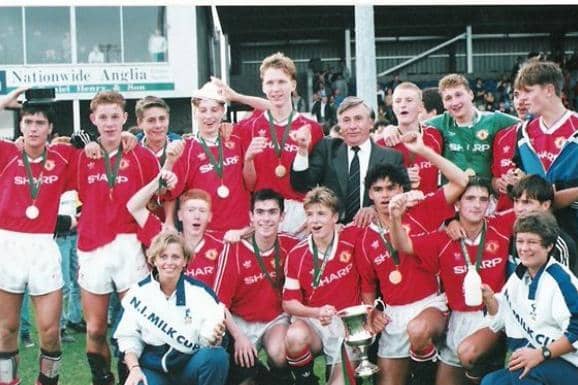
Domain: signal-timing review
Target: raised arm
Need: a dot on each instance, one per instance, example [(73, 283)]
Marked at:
[(137, 204), (457, 179), (230, 94)]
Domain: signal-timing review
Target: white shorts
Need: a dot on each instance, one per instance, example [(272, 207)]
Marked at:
[(460, 325), (120, 263), (394, 341), (294, 217), (332, 337), (31, 260), (256, 330)]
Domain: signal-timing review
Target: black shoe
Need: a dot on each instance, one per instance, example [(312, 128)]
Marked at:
[(65, 337), (26, 341), (79, 327)]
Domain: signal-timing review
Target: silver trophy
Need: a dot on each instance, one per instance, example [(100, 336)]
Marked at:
[(355, 320)]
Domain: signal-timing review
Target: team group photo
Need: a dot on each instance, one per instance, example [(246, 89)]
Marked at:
[(203, 195)]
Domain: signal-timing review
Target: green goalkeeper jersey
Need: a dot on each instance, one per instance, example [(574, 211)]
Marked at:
[(470, 147)]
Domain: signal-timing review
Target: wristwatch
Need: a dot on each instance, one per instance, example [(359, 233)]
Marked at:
[(546, 353)]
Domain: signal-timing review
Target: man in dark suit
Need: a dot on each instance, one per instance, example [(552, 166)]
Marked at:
[(341, 164)]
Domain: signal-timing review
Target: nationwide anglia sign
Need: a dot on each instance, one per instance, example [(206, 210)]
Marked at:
[(90, 79)]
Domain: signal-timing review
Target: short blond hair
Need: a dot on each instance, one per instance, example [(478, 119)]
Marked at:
[(453, 81), (107, 97), (162, 241), (279, 61), (409, 86), (324, 196)]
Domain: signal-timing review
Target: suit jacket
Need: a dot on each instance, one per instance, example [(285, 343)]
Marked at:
[(328, 166)]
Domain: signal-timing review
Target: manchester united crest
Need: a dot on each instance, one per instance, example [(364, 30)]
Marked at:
[(482, 134), (49, 165), (124, 163), (229, 144), (559, 142), (211, 254), (345, 257), (492, 247)]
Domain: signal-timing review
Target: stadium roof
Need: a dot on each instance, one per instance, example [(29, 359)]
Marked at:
[(266, 23)]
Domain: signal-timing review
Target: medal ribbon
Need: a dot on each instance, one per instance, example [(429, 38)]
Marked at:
[(273, 131), (112, 171), (33, 183), (318, 270), (273, 282), (217, 165), (392, 252), (479, 251)]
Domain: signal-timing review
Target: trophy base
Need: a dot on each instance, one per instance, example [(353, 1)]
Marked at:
[(366, 369)]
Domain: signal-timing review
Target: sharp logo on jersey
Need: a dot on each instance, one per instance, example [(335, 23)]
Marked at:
[(482, 135), (202, 156), (247, 264), (424, 164), (486, 264), (124, 163), (492, 247), (506, 163), (559, 142), (262, 132), (456, 147), (205, 168), (102, 178), (547, 155), (46, 179), (211, 254), (230, 145), (343, 272), (253, 279), (480, 147), (345, 256), (287, 148), (198, 271), (49, 165), (375, 244), (380, 259)]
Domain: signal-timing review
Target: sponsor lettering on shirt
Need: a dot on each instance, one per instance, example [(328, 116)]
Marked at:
[(486, 264), (95, 178), (45, 179), (228, 161)]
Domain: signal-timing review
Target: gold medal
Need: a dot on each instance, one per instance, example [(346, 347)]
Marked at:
[(395, 277), (470, 172), (280, 171), (223, 191), (32, 212)]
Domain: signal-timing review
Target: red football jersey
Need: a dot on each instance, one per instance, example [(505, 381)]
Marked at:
[(203, 263), (437, 253), (267, 161), (16, 198), (194, 170), (375, 263), (244, 288), (503, 150), (548, 142), (339, 284), (428, 173), (104, 213)]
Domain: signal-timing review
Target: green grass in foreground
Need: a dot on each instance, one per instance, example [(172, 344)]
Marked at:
[(74, 369)]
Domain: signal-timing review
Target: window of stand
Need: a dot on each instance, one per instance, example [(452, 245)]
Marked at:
[(98, 34), (11, 47), (42, 35)]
